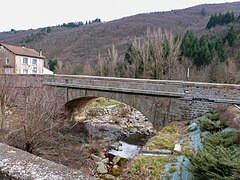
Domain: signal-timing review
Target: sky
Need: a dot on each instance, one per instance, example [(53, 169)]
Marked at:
[(27, 14)]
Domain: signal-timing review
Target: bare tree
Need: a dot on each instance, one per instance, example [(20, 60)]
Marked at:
[(8, 93), (100, 64), (232, 72), (109, 65), (88, 69), (41, 113), (156, 56), (113, 58)]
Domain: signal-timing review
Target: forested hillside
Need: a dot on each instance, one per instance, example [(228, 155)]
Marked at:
[(203, 39)]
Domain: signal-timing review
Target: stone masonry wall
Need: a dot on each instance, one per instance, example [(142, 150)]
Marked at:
[(160, 100), (188, 99)]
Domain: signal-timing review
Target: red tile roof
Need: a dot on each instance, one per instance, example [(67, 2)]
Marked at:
[(22, 51)]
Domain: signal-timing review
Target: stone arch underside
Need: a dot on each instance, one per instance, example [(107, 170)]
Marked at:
[(155, 108)]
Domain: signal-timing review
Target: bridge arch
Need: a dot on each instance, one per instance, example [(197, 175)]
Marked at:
[(154, 109), (161, 101)]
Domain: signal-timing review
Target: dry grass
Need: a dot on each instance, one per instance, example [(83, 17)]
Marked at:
[(166, 138), (104, 102), (71, 146)]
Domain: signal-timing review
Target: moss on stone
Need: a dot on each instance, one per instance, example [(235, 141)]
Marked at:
[(172, 169)]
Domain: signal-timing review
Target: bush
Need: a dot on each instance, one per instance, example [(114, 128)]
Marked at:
[(230, 116), (215, 117), (209, 125), (223, 138), (216, 162), (219, 158)]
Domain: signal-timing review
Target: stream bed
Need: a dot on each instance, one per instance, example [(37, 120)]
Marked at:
[(123, 131)]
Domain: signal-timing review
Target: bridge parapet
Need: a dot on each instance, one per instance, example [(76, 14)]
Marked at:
[(213, 92), (138, 86)]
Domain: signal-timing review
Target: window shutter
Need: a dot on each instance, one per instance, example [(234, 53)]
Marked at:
[(21, 59)]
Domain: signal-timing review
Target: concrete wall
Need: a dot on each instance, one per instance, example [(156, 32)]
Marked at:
[(20, 165), (161, 101)]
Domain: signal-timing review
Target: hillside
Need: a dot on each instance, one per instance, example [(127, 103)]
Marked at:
[(77, 45)]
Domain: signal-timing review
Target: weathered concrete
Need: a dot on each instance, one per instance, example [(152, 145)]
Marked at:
[(160, 101), (20, 165)]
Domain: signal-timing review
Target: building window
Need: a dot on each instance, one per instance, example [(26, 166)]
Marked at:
[(34, 61), (25, 71), (7, 61), (34, 71), (25, 60)]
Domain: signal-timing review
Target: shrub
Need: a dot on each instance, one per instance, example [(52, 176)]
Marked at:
[(219, 158), (209, 125), (216, 162), (230, 116), (223, 138), (215, 117)]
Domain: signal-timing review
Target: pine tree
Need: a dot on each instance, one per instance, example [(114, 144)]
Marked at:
[(203, 12), (52, 64), (231, 37)]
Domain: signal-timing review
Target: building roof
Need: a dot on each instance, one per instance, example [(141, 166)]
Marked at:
[(23, 51)]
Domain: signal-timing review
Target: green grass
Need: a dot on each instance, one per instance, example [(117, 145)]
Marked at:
[(150, 167), (172, 169), (165, 139)]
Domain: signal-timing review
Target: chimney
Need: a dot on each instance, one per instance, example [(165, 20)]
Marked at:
[(40, 52)]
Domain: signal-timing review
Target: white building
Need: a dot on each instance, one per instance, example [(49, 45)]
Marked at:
[(21, 60)]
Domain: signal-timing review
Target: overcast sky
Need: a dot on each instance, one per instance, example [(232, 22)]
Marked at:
[(26, 14)]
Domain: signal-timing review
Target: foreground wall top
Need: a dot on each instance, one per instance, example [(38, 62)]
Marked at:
[(17, 164)]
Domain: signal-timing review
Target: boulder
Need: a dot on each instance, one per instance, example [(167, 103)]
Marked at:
[(105, 161), (102, 155), (115, 146), (116, 170), (178, 148), (192, 127), (109, 177), (96, 158), (116, 159), (102, 168)]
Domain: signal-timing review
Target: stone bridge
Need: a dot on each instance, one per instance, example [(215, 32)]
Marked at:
[(161, 101)]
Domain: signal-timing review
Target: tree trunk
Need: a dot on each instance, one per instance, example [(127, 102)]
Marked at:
[(2, 111)]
